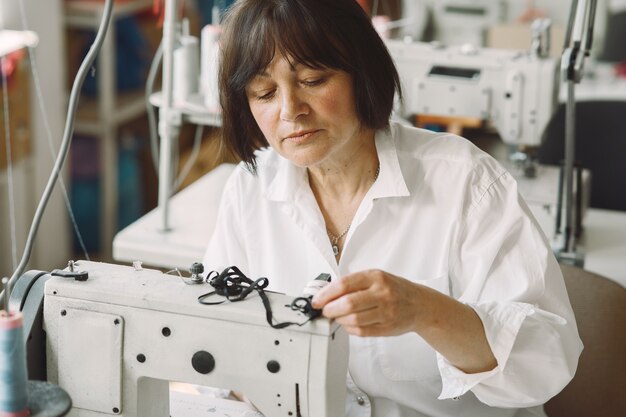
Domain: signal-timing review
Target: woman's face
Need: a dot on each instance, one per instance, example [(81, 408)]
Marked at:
[(307, 115)]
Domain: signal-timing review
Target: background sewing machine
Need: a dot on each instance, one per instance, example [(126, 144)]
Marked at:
[(514, 90), (116, 340)]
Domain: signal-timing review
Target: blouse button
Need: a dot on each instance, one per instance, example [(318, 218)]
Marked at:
[(360, 400)]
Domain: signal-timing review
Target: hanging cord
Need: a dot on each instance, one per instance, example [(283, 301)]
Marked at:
[(67, 136), (234, 286), (46, 124)]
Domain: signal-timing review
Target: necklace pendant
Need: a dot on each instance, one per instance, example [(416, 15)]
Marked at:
[(335, 250)]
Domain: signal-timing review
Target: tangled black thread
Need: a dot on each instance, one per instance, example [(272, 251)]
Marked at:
[(234, 285)]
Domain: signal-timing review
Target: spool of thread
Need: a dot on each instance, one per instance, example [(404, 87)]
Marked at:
[(13, 375), (186, 59), (313, 287), (209, 65)]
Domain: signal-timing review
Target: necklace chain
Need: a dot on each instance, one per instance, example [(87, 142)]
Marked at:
[(334, 240)]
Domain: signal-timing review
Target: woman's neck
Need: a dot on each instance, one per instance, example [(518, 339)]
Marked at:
[(339, 186), (348, 176)]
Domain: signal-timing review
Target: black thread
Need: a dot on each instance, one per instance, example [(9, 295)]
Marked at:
[(234, 285)]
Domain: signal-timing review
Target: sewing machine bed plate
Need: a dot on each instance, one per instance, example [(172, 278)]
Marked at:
[(154, 290)]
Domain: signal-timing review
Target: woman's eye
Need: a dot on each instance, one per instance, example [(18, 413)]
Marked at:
[(313, 82), (266, 96)]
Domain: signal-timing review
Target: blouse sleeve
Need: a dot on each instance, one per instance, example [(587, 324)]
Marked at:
[(226, 246), (503, 267)]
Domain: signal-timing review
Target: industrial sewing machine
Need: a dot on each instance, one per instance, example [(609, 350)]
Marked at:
[(115, 340), (515, 90)]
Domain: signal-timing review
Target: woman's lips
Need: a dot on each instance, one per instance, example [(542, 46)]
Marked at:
[(301, 136)]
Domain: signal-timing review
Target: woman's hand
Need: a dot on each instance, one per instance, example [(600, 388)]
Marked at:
[(373, 303), (376, 303)]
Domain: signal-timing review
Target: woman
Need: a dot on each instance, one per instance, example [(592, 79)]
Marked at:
[(454, 301)]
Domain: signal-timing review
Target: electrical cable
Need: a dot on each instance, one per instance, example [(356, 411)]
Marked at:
[(48, 130), (85, 67)]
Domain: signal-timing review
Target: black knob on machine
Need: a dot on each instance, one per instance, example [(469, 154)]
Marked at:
[(203, 362)]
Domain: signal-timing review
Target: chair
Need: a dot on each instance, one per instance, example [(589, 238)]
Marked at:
[(599, 386), (600, 128)]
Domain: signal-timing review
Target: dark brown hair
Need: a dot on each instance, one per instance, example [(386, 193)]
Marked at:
[(334, 34)]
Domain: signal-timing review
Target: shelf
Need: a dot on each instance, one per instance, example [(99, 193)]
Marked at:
[(193, 110), (87, 14), (128, 107)]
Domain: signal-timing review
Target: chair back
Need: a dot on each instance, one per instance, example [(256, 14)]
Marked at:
[(600, 137), (599, 386)]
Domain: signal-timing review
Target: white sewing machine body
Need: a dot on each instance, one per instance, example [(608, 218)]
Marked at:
[(116, 340), (515, 90)]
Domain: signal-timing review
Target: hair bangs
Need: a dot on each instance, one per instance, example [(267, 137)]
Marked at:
[(255, 52), (287, 29), (305, 41)]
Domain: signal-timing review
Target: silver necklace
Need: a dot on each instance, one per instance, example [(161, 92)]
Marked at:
[(334, 240)]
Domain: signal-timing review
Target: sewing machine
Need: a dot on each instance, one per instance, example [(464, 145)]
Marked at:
[(515, 90), (463, 21), (115, 340)]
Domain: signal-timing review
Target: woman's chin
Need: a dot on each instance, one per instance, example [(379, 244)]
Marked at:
[(305, 159)]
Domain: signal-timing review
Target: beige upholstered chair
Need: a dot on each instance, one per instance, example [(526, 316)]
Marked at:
[(599, 386)]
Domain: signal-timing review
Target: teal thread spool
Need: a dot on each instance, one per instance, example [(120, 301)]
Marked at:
[(13, 378)]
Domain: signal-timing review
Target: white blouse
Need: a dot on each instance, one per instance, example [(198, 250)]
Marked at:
[(444, 214)]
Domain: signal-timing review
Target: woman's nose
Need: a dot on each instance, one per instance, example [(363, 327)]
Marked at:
[(292, 106)]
